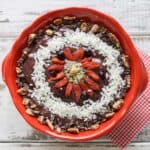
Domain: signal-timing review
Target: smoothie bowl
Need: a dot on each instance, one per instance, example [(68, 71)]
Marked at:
[(74, 73)]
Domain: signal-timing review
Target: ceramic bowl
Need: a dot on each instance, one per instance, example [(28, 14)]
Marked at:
[(138, 72)]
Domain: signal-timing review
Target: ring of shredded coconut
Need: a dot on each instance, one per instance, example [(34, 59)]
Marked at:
[(108, 93)]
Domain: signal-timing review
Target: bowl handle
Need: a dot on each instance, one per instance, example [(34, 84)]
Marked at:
[(144, 77), (4, 66)]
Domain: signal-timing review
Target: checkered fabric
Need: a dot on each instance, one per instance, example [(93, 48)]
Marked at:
[(138, 116)]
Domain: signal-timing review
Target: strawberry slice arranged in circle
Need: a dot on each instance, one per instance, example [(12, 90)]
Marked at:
[(77, 92), (78, 54), (61, 83), (85, 67), (68, 89), (68, 54)]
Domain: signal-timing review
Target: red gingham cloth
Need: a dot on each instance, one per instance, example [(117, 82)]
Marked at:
[(138, 116)]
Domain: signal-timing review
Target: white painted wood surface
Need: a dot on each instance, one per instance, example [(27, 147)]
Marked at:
[(15, 133)]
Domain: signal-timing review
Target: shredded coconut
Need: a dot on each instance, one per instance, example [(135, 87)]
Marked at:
[(74, 39)]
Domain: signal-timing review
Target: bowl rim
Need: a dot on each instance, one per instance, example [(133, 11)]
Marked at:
[(89, 135)]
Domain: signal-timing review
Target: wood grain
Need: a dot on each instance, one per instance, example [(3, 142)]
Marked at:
[(15, 15), (70, 146), (134, 15)]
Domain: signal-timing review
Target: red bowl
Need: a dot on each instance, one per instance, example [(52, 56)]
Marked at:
[(138, 72)]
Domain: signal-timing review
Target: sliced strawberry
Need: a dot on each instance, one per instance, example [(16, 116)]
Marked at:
[(91, 65), (57, 61), (56, 67), (78, 54), (58, 76), (92, 84), (85, 87), (68, 89), (87, 59), (93, 75), (68, 54), (94, 87), (77, 92), (61, 83)]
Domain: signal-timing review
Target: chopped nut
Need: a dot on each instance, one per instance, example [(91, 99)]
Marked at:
[(128, 80), (114, 39), (33, 106), (49, 32), (69, 18), (95, 126), (22, 91), (30, 112), (36, 112), (117, 104), (58, 130), (125, 61), (41, 119), (95, 28), (21, 75), (25, 52), (84, 27), (57, 21), (109, 115), (18, 70), (104, 119), (49, 123), (103, 30), (26, 101), (73, 130), (31, 38)]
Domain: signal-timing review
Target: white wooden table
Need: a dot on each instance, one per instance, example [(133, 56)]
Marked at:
[(15, 133)]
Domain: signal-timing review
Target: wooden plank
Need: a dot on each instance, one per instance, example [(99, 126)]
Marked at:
[(134, 15), (70, 146), (14, 128)]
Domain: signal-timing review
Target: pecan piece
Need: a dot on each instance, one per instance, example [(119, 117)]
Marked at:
[(18, 70), (33, 106), (30, 112), (128, 80), (117, 104), (49, 123), (49, 32), (109, 115), (57, 21), (125, 61), (22, 91), (41, 119), (95, 28), (114, 39), (84, 27), (69, 18), (31, 38), (95, 126), (73, 130), (26, 101), (58, 130)]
